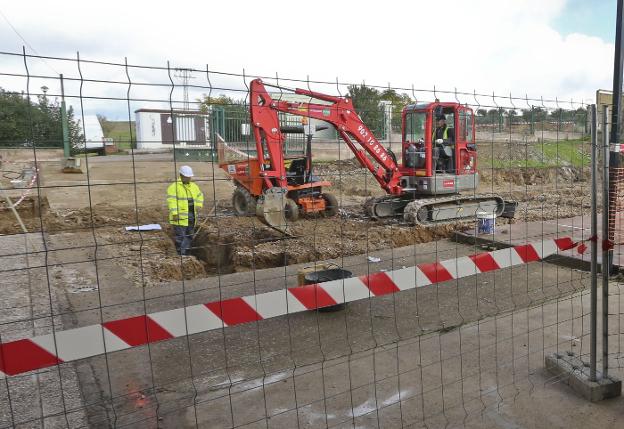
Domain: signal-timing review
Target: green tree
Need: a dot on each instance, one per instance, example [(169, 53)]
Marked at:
[(25, 123), (493, 115), (558, 115), (512, 114), (15, 119), (227, 115), (482, 116), (399, 101), (527, 115), (366, 102), (540, 114), (496, 116), (579, 116), (221, 100)]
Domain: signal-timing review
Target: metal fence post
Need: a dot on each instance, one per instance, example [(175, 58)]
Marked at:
[(606, 252), (64, 122), (594, 248)]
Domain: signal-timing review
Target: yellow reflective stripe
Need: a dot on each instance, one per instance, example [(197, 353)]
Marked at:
[(444, 134)]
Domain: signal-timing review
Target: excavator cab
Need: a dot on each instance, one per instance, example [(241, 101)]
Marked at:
[(439, 155)]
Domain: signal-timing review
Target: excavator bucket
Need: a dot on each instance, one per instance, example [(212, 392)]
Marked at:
[(271, 209)]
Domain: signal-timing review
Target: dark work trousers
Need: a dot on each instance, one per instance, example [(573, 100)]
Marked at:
[(184, 235)]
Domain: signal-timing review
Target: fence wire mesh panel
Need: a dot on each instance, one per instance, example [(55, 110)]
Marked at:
[(397, 257), (612, 238)]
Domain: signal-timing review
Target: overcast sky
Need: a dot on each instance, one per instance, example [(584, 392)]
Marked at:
[(549, 48)]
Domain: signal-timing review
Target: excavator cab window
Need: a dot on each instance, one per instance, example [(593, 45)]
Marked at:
[(443, 141), (465, 128), (414, 149), (415, 126)]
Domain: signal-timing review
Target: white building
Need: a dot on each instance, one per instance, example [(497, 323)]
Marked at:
[(162, 129)]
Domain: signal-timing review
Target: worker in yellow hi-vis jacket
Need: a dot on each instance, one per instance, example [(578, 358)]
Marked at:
[(184, 200)]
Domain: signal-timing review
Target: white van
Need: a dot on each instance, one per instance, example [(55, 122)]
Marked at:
[(94, 136)]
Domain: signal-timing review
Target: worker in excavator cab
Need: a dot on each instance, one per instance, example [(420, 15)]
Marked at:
[(444, 141), (184, 201)]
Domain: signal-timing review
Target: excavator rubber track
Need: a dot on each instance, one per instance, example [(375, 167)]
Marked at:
[(449, 210), (436, 211), (387, 206)]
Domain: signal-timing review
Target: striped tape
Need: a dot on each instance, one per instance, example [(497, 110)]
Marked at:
[(17, 357)]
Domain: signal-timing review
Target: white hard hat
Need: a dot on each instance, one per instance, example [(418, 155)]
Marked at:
[(186, 171)]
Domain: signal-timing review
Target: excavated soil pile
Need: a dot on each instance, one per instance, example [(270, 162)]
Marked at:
[(562, 176), (30, 209), (249, 244), (71, 220), (159, 270)]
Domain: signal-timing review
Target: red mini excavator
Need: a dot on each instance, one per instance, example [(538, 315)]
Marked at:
[(424, 188)]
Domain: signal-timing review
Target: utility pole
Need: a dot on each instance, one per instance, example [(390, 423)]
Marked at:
[(64, 122), (184, 75)]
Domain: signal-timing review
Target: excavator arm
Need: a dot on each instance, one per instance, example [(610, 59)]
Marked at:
[(340, 113)]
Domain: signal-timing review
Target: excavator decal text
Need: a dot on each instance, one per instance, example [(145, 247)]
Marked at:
[(371, 141)]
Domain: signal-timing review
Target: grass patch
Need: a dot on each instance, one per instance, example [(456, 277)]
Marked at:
[(120, 133), (567, 152), (571, 153)]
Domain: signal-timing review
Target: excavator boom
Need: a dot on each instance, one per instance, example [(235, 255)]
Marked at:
[(340, 113)]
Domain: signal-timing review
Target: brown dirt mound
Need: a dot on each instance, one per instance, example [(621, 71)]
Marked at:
[(164, 269), (149, 258), (534, 176), (67, 220), (251, 245)]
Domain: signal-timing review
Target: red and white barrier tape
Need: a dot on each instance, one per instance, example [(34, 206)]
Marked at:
[(20, 356), (28, 188), (581, 247)]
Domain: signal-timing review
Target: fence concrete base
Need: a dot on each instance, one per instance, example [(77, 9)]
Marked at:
[(571, 370)]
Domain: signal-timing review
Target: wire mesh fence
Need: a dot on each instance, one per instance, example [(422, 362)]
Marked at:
[(104, 324)]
